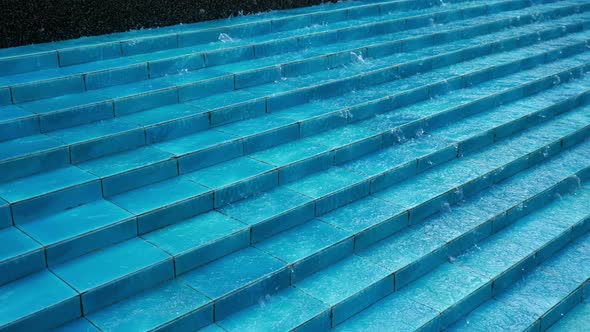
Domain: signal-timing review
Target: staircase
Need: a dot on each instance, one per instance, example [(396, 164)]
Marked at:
[(367, 165)]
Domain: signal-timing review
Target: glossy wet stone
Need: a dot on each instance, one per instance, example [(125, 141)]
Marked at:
[(173, 305), (289, 170)]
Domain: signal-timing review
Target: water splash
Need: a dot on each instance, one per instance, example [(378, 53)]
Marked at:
[(345, 113), (357, 57), (398, 135), (225, 38), (446, 207)]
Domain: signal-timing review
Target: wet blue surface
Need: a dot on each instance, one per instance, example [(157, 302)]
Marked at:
[(364, 165)]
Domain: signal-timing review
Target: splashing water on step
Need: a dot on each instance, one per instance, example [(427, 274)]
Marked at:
[(357, 57), (345, 113), (225, 38)]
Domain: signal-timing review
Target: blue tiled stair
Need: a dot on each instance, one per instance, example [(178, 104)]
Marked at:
[(365, 165)]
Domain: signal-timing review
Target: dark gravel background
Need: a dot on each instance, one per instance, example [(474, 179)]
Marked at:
[(34, 21)]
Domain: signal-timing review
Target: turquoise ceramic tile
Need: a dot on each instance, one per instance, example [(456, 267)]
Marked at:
[(125, 268), (271, 212), (201, 239), (291, 156), (451, 290), (338, 188), (263, 132), (100, 138), (20, 255), (98, 224), (575, 320), (49, 192), (173, 305), (5, 214), (393, 312), (116, 76), (41, 300), (236, 179), (287, 310), (231, 106), (348, 286), (536, 293), (16, 122), (571, 263), (165, 202), (408, 254), (78, 325), (202, 149), (309, 247), (212, 328), (47, 89), (129, 170), (233, 289), (39, 60), (369, 219), (495, 314), (169, 122), (27, 146)]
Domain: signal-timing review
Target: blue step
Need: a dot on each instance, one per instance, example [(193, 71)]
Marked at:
[(364, 165)]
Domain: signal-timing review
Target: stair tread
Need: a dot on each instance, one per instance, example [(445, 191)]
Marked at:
[(125, 161), (80, 324), (219, 278), (32, 294), (265, 205), (96, 130), (90, 217), (358, 166), (343, 279), (195, 142), (575, 320), (15, 243), (158, 195), (227, 173), (195, 232), (325, 183), (302, 241), (535, 294), (102, 267), (151, 309), (37, 185), (283, 311), (28, 145)]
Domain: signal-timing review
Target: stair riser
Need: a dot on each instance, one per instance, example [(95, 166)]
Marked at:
[(398, 100), (95, 80), (21, 266), (191, 89), (417, 214), (27, 210), (33, 164), (78, 153), (126, 286), (422, 265), (49, 318), (101, 238), (19, 128), (263, 230), (557, 312), (515, 272), (68, 56), (439, 256), (200, 256), (5, 214), (251, 293), (173, 213)]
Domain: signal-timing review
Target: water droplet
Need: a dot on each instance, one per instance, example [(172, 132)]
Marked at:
[(225, 38)]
